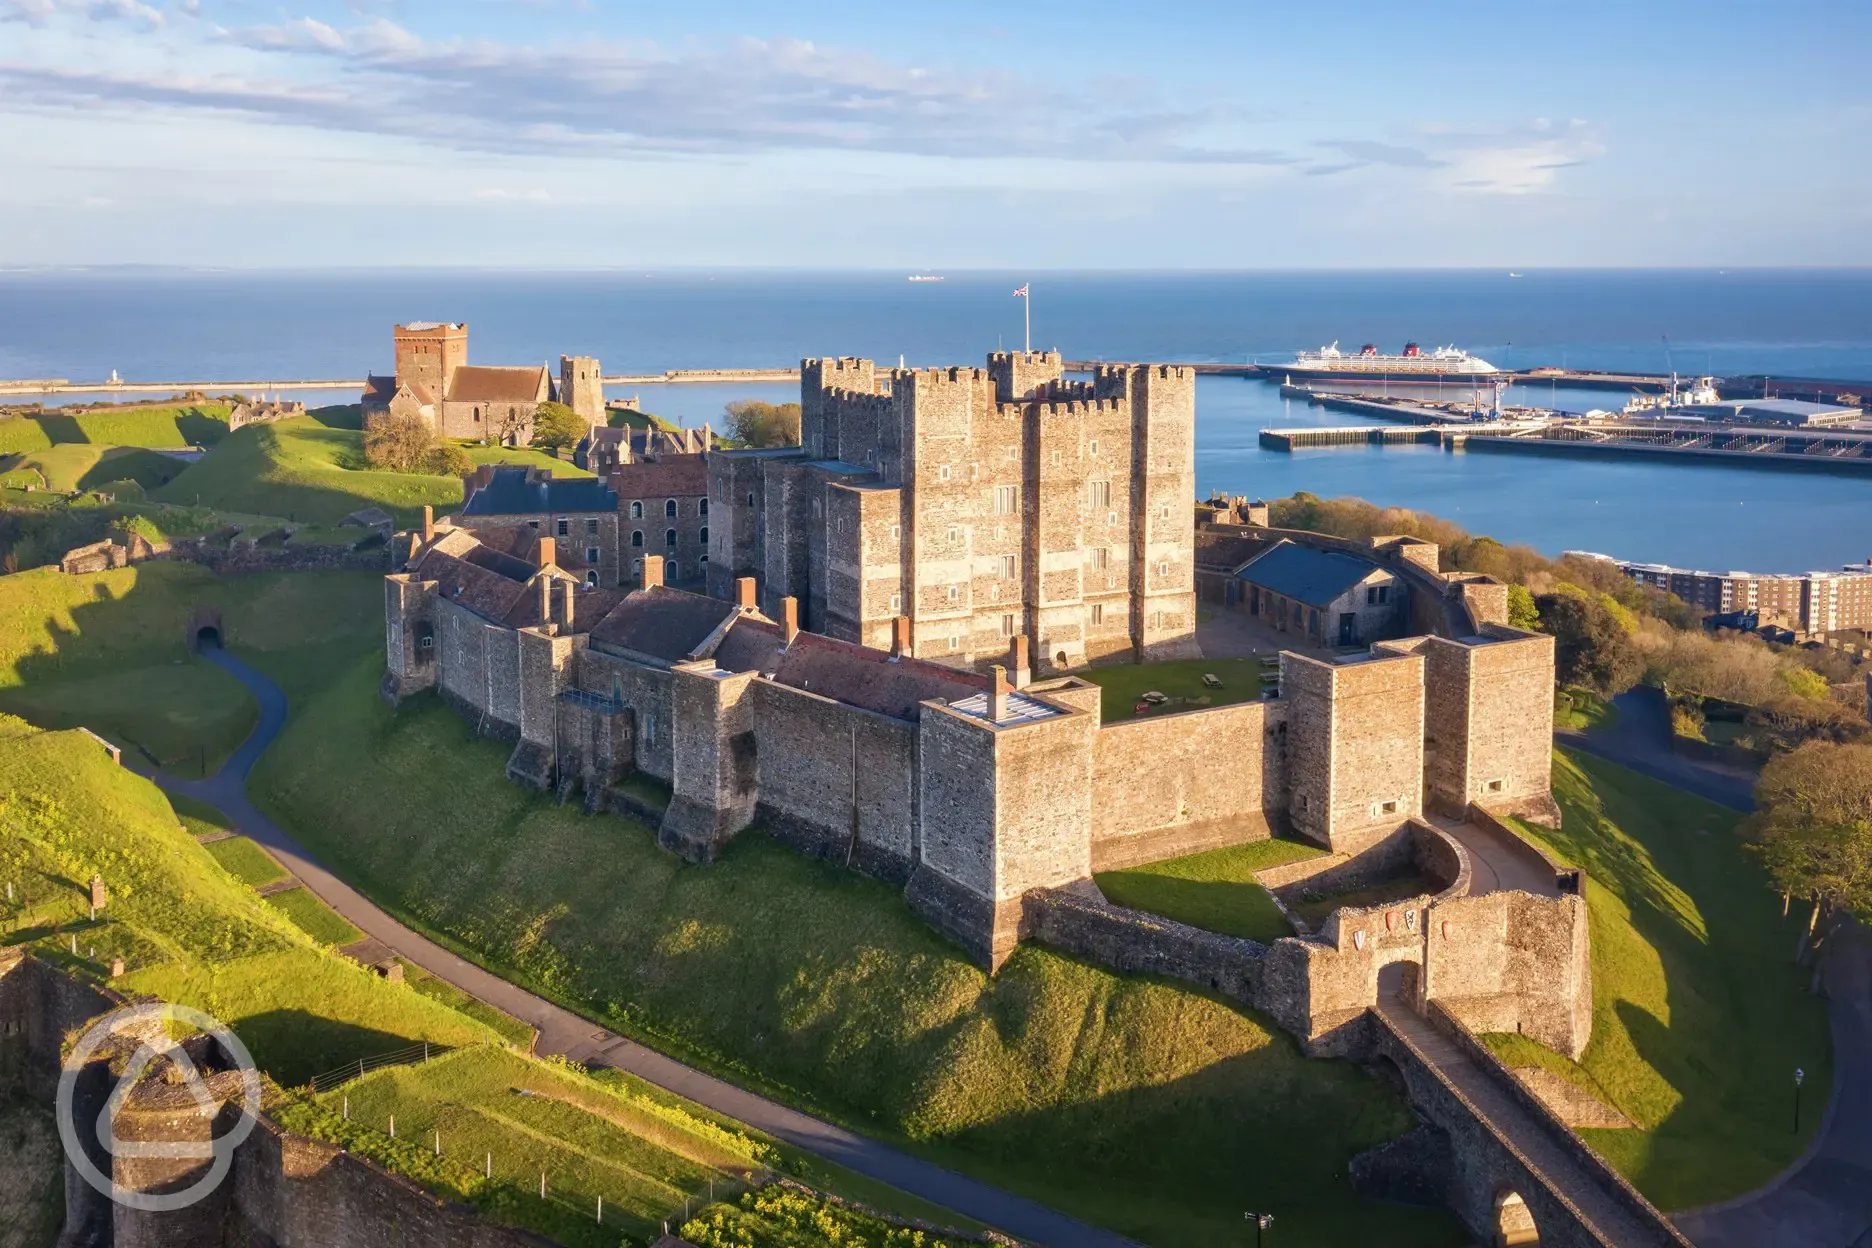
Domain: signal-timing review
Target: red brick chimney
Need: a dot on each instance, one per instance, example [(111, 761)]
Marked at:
[(1018, 667), (900, 636), (652, 572), (998, 691), (744, 593), (789, 619), (548, 553)]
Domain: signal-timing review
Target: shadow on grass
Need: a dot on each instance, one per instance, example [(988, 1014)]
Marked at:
[(1233, 908), (294, 1045)]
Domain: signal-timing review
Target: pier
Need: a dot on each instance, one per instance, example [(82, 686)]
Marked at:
[(1831, 450), (1450, 436)]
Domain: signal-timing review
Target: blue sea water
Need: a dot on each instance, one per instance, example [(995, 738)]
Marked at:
[(179, 325)]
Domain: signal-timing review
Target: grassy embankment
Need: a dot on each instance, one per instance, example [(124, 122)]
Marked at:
[(307, 470), (168, 425), (1216, 890), (1181, 682), (1699, 1016), (109, 651), (1582, 710), (1137, 1104), (70, 467)]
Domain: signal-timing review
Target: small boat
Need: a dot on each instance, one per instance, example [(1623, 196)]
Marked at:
[(925, 277)]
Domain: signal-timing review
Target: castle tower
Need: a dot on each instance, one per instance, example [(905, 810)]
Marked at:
[(581, 387), (427, 355), (819, 432), (1486, 740), (1355, 734), (1021, 376), (1163, 481)]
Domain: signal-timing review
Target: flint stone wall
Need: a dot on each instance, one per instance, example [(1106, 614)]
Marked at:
[(1128, 940)]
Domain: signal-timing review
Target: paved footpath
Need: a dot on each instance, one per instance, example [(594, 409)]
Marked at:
[(564, 1033)]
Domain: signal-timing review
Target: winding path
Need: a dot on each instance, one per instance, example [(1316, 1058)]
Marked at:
[(564, 1033)]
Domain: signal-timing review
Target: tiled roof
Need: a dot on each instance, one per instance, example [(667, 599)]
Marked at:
[(672, 476), (661, 622), (514, 491), (859, 676), (1314, 577), (520, 540), (379, 390), (1226, 550), (488, 593), (484, 384), (750, 646)]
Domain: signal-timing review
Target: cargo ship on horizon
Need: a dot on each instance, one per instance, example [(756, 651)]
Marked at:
[(1412, 365)]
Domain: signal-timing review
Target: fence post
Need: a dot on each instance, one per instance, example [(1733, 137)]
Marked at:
[(393, 1126), (490, 1165), (347, 1107), (438, 1141), (601, 1211)]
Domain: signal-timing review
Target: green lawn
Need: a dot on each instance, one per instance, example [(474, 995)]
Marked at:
[(246, 861), (87, 466), (304, 470), (187, 930), (774, 1217), (199, 819), (314, 917), (184, 717), (494, 1108), (523, 455), (173, 425), (1582, 709), (1137, 1104), (1180, 681), (1216, 890), (1699, 1015)]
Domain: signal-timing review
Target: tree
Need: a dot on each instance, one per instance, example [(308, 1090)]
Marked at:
[(448, 460), (1522, 613), (1591, 647), (399, 443), (756, 424), (557, 427), (1813, 831)]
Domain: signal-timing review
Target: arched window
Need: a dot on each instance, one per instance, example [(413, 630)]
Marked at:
[(591, 580), (702, 507), (636, 537), (669, 509), (703, 535), (636, 511), (670, 572), (669, 537)]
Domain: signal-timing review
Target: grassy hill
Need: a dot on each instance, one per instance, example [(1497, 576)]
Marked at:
[(307, 470), (1140, 1105), (175, 425), (1699, 1015), (109, 650), (72, 466)]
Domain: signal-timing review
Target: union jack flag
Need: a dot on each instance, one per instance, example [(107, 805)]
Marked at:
[(1022, 291)]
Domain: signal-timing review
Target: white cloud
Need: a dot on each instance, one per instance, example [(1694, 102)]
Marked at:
[(39, 12), (1516, 160)]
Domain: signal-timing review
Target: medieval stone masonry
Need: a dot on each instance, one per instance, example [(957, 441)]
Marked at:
[(979, 504), (434, 381)]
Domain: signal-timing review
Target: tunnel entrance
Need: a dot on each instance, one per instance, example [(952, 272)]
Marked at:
[(1514, 1224), (207, 638), (204, 630)]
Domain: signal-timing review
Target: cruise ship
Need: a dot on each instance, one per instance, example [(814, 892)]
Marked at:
[(1413, 365)]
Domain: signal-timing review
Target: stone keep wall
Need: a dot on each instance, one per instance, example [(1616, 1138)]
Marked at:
[(836, 781), (737, 488), (1128, 940), (953, 885), (1514, 962), (646, 691), (1488, 737), (1163, 456), (409, 608), (1355, 745), (542, 663), (1170, 785), (713, 769)]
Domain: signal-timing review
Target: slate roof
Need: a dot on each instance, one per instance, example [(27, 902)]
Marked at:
[(661, 622), (859, 676), (514, 491), (1314, 577), (488, 593), (673, 476), (482, 383), (750, 646)]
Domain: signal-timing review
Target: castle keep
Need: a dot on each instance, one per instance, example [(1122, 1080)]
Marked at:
[(979, 505), (972, 791)]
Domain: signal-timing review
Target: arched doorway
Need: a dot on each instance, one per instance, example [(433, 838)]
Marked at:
[(1514, 1224), (204, 630), (1397, 981), (207, 637)]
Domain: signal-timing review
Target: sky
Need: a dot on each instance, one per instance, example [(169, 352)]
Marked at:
[(814, 134)]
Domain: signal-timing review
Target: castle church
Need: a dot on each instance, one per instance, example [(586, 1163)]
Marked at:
[(481, 403)]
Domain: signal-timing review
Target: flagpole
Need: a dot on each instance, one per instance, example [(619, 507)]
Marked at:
[(1027, 311)]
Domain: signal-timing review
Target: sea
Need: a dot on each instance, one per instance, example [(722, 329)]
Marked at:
[(161, 325)]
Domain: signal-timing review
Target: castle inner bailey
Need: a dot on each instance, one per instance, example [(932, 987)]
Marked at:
[(972, 791), (977, 503), (493, 404)]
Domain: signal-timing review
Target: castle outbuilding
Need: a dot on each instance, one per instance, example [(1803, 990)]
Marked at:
[(980, 504)]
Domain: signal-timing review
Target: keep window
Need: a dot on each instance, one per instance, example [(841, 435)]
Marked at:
[(896, 606), (1007, 567), (637, 511), (591, 554), (1100, 493), (591, 528), (702, 535), (1009, 625), (702, 507), (953, 592), (1098, 613), (565, 528), (669, 537), (669, 509), (636, 537), (1006, 499), (1101, 558)]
